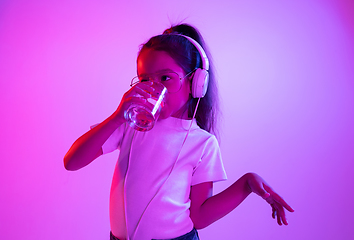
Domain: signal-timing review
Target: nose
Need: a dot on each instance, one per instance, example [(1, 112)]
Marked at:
[(154, 79)]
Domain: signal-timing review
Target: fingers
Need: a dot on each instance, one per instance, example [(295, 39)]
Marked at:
[(282, 202), (279, 220), (278, 211), (274, 212), (261, 188), (138, 94), (265, 195), (278, 199), (278, 205)]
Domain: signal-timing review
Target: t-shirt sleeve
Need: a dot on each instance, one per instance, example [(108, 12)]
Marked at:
[(210, 167), (114, 141)]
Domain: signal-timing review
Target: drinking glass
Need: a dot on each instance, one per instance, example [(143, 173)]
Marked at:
[(142, 116)]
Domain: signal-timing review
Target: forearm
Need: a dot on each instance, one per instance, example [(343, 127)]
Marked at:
[(88, 147), (222, 203)]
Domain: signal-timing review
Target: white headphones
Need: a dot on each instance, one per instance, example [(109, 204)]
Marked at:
[(201, 75)]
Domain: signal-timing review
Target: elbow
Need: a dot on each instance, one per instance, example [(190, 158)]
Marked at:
[(68, 163), (199, 223), (67, 167), (198, 227)]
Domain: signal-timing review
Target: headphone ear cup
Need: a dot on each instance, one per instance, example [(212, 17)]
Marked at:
[(200, 83)]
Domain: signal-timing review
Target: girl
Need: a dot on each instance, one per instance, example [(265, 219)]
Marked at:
[(163, 181)]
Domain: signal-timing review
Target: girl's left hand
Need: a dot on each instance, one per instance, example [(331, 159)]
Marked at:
[(261, 188)]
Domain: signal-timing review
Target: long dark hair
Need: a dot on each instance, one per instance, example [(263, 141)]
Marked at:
[(188, 58)]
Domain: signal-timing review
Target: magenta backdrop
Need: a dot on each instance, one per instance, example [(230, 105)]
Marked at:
[(286, 71)]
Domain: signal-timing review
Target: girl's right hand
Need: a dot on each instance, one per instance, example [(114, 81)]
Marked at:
[(138, 94), (89, 146)]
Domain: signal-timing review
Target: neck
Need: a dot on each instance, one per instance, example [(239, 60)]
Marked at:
[(182, 113)]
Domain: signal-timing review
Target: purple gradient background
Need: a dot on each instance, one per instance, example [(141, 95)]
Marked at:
[(286, 72)]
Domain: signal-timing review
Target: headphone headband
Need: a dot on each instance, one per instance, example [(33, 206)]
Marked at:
[(205, 60), (201, 75)]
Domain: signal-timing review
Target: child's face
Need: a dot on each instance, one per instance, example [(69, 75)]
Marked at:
[(152, 62)]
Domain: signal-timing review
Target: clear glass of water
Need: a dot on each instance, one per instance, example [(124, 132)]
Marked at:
[(142, 117)]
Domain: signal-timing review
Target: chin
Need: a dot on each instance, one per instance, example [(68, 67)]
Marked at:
[(164, 115)]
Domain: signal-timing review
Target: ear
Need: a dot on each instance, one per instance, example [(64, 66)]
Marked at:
[(191, 76)]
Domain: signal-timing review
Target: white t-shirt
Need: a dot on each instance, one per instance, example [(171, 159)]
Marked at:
[(145, 162)]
